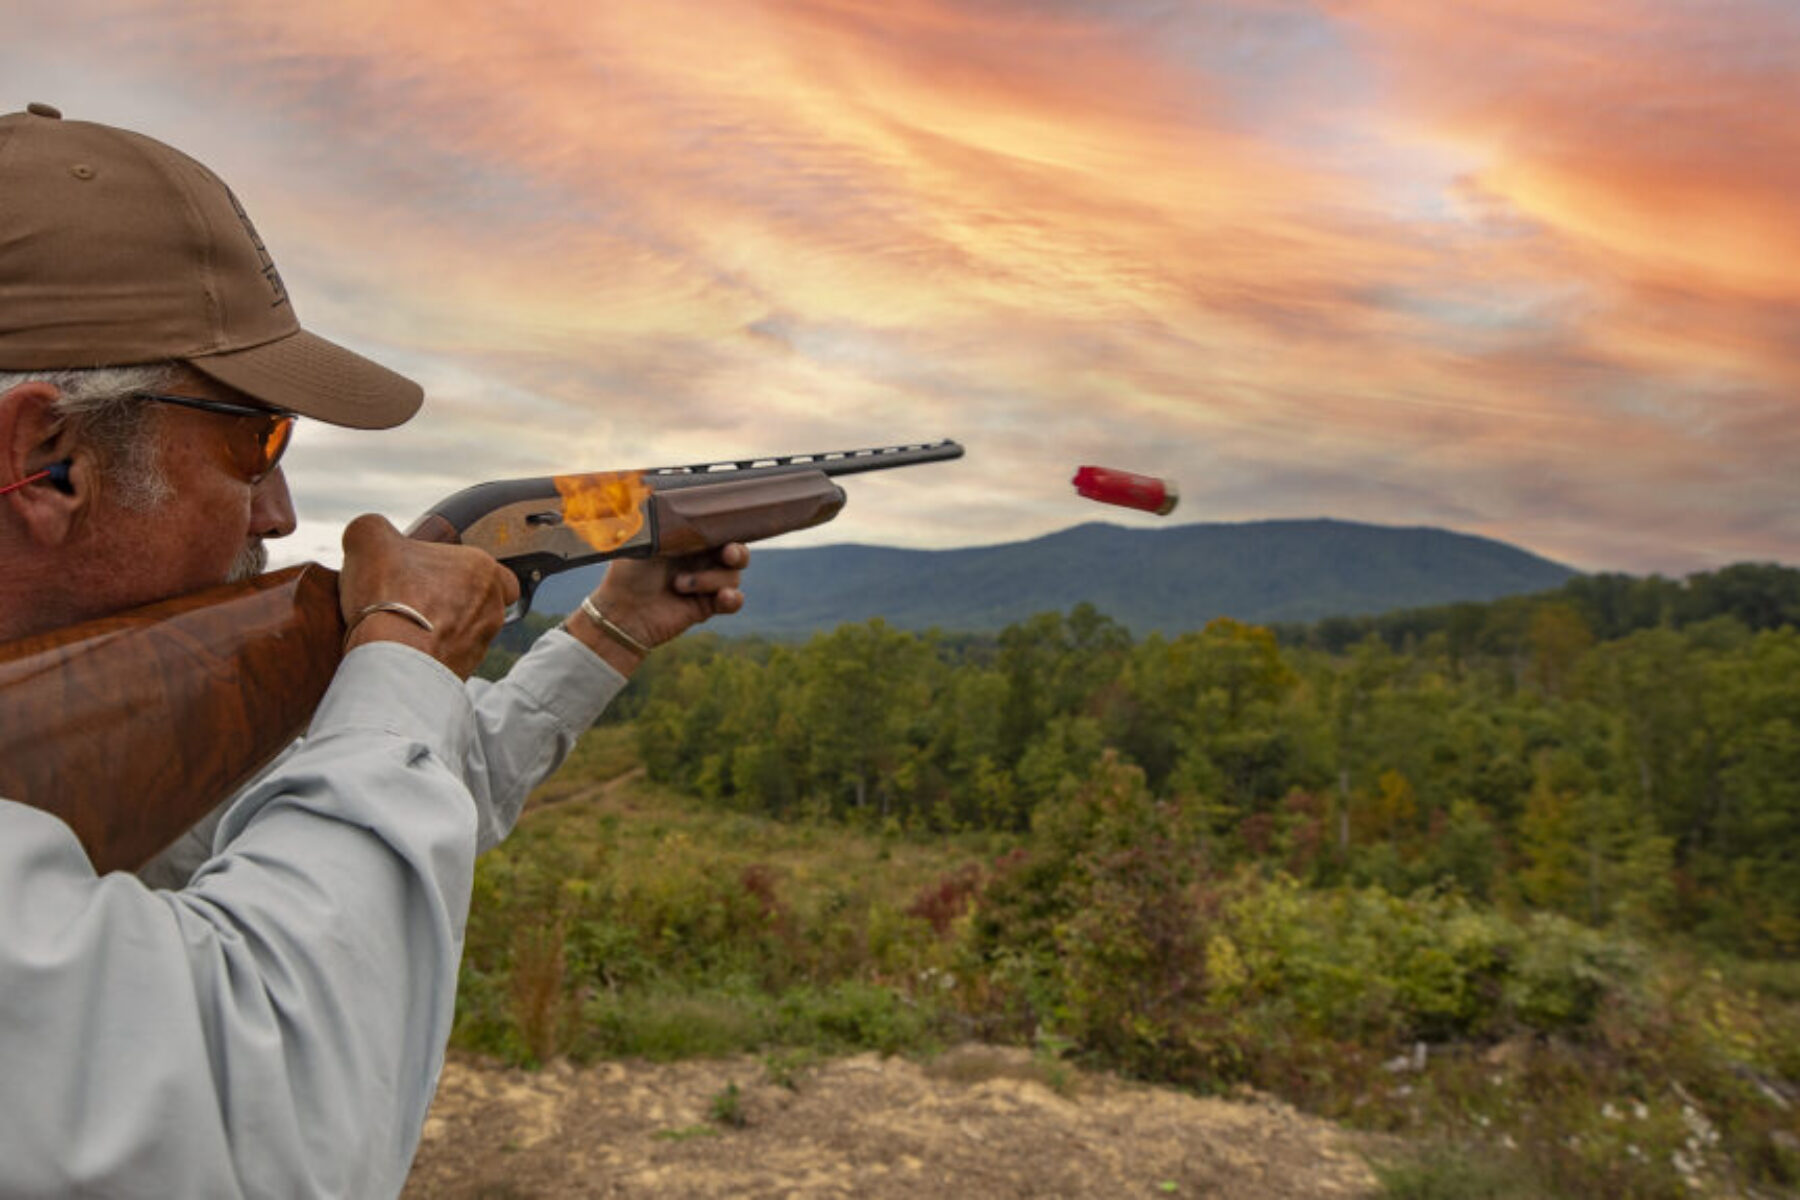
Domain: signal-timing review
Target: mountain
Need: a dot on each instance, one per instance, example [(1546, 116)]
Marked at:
[(1167, 580)]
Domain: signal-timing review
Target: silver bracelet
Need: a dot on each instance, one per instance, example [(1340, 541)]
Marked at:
[(611, 630), (387, 606)]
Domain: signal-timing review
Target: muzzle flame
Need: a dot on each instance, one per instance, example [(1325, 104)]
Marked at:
[(605, 509)]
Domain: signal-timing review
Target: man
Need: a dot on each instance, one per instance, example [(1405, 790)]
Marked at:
[(276, 1026)]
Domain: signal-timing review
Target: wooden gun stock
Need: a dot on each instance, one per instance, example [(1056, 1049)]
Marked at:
[(133, 727)]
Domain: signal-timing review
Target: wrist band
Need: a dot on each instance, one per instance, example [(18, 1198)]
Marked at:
[(611, 630), (388, 606)]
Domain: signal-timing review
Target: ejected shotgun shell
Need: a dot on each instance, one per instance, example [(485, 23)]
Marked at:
[(1127, 490)]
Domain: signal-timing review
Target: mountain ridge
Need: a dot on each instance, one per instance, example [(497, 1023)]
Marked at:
[(1166, 580)]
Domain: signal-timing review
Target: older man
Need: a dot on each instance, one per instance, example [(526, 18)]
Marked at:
[(275, 1025)]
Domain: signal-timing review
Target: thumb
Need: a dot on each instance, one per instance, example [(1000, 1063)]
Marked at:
[(368, 533)]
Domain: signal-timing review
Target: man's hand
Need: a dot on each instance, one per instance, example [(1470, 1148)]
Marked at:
[(655, 599), (462, 591)]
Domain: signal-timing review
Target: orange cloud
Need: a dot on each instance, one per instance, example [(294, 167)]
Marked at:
[(1524, 267)]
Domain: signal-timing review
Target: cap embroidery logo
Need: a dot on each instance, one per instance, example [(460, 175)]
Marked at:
[(277, 289)]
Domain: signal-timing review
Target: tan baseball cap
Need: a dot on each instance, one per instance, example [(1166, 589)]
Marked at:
[(116, 250)]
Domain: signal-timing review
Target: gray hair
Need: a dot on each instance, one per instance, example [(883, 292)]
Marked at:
[(100, 401)]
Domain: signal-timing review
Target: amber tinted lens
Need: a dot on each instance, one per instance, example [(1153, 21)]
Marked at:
[(275, 437), (259, 441)]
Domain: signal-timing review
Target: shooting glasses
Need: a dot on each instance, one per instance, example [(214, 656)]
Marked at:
[(259, 437)]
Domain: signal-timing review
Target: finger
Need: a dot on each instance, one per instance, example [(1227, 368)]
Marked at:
[(728, 600), (733, 556), (701, 583), (509, 586)]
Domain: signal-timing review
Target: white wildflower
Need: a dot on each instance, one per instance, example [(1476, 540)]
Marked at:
[(1701, 1129)]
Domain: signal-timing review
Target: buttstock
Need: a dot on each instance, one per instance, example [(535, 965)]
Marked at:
[(695, 519), (133, 727)]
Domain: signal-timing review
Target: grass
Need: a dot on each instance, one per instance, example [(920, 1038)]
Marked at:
[(789, 1068), (634, 922), (1441, 1170), (727, 1108)]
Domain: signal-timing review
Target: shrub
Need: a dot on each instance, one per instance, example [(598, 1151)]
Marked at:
[(1561, 973), (949, 897), (666, 1025), (852, 1015)]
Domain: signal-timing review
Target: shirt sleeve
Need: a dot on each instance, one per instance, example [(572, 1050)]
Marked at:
[(277, 1027), (527, 722), (525, 725)]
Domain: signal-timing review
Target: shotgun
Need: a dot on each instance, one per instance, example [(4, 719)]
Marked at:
[(132, 727)]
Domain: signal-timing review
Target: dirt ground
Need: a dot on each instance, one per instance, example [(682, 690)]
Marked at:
[(977, 1122)]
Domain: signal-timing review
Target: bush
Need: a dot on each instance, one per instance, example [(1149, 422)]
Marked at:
[(852, 1015), (1564, 1062), (1562, 972), (1113, 937), (666, 1025)]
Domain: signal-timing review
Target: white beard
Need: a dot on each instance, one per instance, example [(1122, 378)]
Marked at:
[(249, 563)]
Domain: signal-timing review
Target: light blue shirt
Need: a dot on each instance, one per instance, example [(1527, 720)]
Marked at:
[(276, 1027)]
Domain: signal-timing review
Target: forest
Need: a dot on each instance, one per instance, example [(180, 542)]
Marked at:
[(1619, 751), (1519, 881)]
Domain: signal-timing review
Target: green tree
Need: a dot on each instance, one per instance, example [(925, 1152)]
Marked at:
[(1029, 654), (1371, 671), (1590, 852), (866, 690), (1558, 638), (1754, 707), (1555, 871), (1760, 595), (1240, 681)]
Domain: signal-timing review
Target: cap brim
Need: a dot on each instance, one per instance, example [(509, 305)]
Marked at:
[(319, 379)]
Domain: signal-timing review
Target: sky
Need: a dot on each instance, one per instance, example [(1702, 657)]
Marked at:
[(1527, 269)]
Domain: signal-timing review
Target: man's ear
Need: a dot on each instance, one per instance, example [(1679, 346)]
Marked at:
[(35, 437)]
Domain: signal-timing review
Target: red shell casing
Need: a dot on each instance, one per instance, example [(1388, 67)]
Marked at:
[(1127, 489)]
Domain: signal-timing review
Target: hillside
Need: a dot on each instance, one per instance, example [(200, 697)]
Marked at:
[(1169, 580)]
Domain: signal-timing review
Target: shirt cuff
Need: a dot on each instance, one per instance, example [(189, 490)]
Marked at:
[(566, 679)]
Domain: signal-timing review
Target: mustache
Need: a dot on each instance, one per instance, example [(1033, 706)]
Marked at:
[(249, 563)]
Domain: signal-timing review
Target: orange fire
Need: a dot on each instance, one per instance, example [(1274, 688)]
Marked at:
[(604, 509)]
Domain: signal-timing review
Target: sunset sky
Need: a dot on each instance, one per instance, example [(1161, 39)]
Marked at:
[(1522, 268)]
